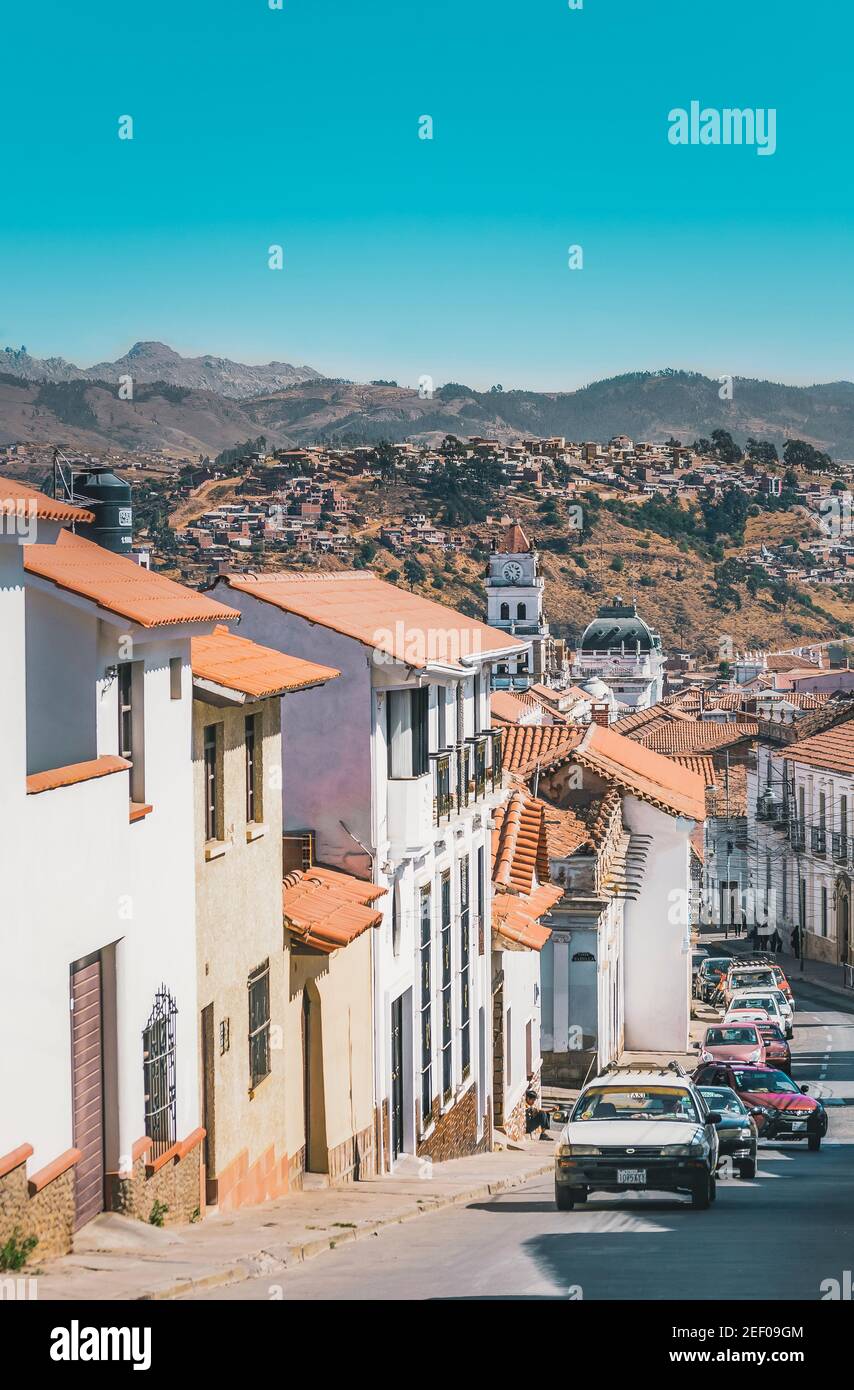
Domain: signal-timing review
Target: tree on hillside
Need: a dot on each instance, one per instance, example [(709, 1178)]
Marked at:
[(413, 571), (725, 446), (762, 451), (797, 453)]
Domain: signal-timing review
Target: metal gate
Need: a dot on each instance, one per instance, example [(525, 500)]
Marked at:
[(87, 1090), (158, 1053)]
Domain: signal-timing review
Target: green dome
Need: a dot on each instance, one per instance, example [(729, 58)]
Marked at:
[(617, 625)]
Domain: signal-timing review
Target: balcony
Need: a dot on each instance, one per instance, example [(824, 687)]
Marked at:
[(443, 799), (770, 809), (463, 775), (818, 840), (839, 847), (797, 834)]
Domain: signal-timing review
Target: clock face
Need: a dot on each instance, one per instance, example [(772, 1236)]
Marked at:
[(513, 571)]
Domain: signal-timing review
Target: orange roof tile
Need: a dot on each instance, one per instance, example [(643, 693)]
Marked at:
[(514, 541), (514, 917), (526, 747), (13, 493), (697, 762), (728, 797), (696, 737), (73, 773), (565, 832), (407, 627), (239, 664), (511, 706), (641, 772), (832, 750), (328, 909), (120, 586), (519, 848)]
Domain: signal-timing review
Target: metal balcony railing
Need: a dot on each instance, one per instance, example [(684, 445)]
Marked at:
[(770, 809), (818, 839), (796, 834), (443, 800), (839, 847)]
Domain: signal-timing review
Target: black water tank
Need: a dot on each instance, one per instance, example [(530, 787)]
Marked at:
[(110, 499)]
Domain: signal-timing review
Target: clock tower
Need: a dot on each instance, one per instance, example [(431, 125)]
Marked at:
[(514, 603)]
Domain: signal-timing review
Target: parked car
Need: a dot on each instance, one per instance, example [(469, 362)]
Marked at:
[(746, 1016), (773, 1001), (635, 1130), (777, 1051), (732, 1042), (737, 1132), (786, 1110), (698, 955), (767, 962), (710, 974), (748, 977)]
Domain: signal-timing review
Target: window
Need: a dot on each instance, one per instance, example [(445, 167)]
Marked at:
[(802, 903), (252, 745), (441, 718), (521, 610), (447, 1037), (212, 787), (785, 886), (801, 805), (476, 685), (395, 918), (131, 724), (465, 1003), (508, 1061), (505, 611), (843, 816), (822, 807), (158, 1068), (824, 912), (176, 667), (408, 714), (259, 1024), (426, 1033)]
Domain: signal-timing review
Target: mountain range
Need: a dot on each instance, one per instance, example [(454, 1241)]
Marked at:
[(188, 406), (147, 362)]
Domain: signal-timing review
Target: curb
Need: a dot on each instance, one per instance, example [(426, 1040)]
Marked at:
[(298, 1254)]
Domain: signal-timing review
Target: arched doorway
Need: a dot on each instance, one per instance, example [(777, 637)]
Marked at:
[(843, 918)]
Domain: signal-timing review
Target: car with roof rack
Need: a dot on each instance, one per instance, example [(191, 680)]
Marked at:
[(635, 1129)]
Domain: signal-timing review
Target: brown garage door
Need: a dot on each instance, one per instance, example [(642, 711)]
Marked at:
[(87, 1090)]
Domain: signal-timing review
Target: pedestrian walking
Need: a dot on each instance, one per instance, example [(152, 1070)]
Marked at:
[(776, 941), (796, 941)]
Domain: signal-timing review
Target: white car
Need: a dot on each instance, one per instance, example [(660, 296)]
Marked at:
[(773, 1001), (632, 1130)]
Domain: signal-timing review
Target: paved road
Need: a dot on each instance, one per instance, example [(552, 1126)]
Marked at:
[(777, 1237)]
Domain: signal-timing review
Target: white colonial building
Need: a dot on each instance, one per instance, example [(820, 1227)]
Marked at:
[(392, 772), (98, 1019), (801, 822), (621, 650)]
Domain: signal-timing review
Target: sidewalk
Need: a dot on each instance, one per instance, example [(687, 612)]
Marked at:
[(118, 1258)]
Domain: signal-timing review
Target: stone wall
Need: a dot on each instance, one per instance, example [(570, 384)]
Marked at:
[(296, 1170), (454, 1133), (353, 1160), (174, 1185), (46, 1212), (568, 1068)]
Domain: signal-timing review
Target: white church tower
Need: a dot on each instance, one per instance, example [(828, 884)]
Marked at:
[(514, 603)]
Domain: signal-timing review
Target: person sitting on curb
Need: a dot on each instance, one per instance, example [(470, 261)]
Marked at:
[(535, 1117)]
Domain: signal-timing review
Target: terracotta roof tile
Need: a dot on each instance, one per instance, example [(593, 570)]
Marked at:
[(328, 909), (696, 736), (400, 623), (832, 750), (510, 707), (239, 664), (526, 747), (642, 772), (120, 586), (514, 918), (697, 762), (514, 541), (14, 494), (519, 848), (729, 795), (73, 773)]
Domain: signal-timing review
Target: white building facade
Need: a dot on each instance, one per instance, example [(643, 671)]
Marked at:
[(395, 771), (621, 650)]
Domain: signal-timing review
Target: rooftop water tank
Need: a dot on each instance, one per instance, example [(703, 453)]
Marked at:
[(101, 492)]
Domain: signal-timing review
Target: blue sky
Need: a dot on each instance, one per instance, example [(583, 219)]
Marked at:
[(447, 257)]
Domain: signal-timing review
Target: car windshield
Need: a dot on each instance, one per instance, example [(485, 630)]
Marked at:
[(757, 1080), (756, 1001), (741, 1036), (714, 967), (723, 1099), (752, 979), (635, 1103), (770, 1032)]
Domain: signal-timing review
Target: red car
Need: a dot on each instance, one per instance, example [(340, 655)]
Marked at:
[(781, 1109), (732, 1042), (778, 1054)]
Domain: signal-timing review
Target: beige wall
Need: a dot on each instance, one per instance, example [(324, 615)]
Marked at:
[(239, 925), (339, 989)]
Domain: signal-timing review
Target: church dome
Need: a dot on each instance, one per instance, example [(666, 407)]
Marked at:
[(618, 626), (597, 688)]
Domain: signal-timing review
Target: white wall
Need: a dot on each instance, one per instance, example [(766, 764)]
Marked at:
[(656, 946)]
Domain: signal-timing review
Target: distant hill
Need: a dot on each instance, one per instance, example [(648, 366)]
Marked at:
[(148, 362), (189, 414)]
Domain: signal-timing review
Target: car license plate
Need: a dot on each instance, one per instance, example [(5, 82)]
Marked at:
[(799, 1124), (632, 1177)]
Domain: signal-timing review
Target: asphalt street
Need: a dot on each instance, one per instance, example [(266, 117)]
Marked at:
[(778, 1237)]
